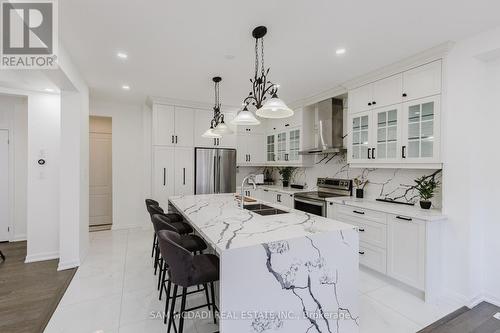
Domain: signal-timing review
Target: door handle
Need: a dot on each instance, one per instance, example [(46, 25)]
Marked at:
[(164, 176), (183, 176), (404, 218), (373, 153), (369, 157), (403, 152)]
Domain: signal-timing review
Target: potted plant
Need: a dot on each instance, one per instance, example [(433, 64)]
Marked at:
[(426, 186), (360, 187), (286, 174)]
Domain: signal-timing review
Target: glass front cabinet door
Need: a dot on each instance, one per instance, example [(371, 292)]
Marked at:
[(281, 151), (421, 130), (387, 124), (293, 145), (360, 138), (270, 148)]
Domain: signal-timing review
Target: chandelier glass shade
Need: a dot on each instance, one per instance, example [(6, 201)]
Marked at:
[(245, 118)]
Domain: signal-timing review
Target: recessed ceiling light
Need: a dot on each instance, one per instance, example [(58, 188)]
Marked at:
[(126, 87), (122, 55), (340, 51), (49, 90)]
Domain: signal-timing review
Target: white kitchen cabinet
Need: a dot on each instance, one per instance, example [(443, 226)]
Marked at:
[(184, 171), (421, 130), (173, 126), (173, 172), (360, 99), (284, 199), (360, 140), (422, 81), (251, 149), (373, 257), (406, 250), (163, 125), (270, 148), (163, 174), (387, 91), (387, 133)]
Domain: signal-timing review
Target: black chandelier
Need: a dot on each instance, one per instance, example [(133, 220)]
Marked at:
[(262, 88), (217, 125)]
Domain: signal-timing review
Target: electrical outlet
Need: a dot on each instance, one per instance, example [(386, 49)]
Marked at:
[(497, 315)]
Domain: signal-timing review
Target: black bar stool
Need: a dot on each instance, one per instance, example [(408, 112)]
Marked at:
[(187, 270), (192, 243)]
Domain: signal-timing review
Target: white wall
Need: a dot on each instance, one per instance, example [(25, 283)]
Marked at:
[(14, 117), (44, 115), (131, 160), (470, 190)]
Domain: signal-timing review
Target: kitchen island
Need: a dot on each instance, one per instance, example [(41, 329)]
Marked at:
[(290, 272)]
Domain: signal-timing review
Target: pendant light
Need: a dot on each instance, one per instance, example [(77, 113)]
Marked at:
[(245, 118), (217, 125), (262, 87)]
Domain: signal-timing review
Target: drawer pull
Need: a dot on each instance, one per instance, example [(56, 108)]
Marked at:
[(361, 252), (404, 218), (358, 212), (361, 230)]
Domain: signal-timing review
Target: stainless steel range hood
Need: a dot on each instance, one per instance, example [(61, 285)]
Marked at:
[(330, 128)]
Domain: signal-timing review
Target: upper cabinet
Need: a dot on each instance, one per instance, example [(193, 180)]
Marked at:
[(395, 121), (173, 126)]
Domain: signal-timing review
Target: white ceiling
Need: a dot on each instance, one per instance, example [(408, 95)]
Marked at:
[(175, 47)]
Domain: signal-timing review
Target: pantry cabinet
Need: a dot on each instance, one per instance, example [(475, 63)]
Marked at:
[(395, 122), (173, 172), (250, 149), (173, 126)]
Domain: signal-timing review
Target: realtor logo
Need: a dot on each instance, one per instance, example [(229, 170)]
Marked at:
[(28, 34)]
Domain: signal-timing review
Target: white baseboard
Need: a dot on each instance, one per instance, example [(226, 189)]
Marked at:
[(68, 265), (471, 302), (41, 257), (19, 238)]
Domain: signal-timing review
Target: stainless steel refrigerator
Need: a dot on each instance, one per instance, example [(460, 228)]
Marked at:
[(215, 170)]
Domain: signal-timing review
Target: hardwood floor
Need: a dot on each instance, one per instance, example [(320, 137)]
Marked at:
[(476, 320), (29, 293)]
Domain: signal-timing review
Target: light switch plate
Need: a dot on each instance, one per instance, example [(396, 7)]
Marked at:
[(497, 315)]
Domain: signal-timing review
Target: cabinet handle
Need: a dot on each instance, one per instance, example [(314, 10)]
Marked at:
[(369, 156), (405, 95), (403, 152), (172, 139), (164, 176), (249, 158), (361, 252), (286, 125), (369, 104), (183, 176), (265, 190), (361, 230), (373, 153), (331, 203), (358, 212), (278, 197), (404, 218), (215, 142), (373, 103)]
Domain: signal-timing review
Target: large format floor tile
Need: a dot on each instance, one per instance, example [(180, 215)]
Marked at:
[(115, 291)]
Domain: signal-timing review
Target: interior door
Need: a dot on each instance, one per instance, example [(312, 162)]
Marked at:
[(163, 125), (205, 167), (226, 166), (100, 173), (184, 171), (163, 174), (184, 129), (4, 185)]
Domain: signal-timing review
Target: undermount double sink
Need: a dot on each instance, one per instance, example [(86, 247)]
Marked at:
[(262, 209)]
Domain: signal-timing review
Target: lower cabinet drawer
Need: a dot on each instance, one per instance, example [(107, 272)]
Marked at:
[(372, 232), (373, 257)]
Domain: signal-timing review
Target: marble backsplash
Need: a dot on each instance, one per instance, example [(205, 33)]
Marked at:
[(395, 184)]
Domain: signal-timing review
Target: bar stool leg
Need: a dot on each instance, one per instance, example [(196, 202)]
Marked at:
[(206, 295), (171, 316), (183, 308), (163, 278), (213, 301), (166, 302), (157, 257), (154, 244)]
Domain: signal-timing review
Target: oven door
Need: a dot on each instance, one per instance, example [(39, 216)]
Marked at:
[(310, 206)]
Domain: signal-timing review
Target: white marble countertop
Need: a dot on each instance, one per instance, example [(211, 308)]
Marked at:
[(222, 223), (405, 210), (277, 188)]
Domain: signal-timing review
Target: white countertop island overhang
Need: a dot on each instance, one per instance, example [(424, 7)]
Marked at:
[(292, 272)]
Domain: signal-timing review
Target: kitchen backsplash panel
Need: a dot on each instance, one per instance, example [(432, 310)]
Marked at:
[(396, 184)]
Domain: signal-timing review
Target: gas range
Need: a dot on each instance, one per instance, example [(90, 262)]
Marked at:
[(314, 202)]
